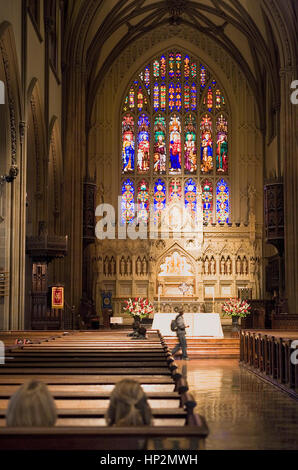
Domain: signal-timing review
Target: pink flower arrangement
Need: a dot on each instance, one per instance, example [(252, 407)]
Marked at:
[(138, 307), (236, 307)]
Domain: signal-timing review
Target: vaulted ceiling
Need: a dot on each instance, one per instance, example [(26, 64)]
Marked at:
[(260, 35)]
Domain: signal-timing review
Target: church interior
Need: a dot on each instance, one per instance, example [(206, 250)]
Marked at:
[(148, 151)]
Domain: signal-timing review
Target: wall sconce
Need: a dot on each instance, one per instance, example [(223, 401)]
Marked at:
[(13, 173)]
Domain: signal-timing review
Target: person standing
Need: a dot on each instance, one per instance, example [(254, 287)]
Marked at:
[(181, 335)]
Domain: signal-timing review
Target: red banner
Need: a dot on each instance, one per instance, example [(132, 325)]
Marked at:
[(58, 297)]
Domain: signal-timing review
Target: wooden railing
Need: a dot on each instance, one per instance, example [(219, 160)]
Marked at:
[(271, 357)]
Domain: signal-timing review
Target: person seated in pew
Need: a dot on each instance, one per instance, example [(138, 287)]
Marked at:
[(128, 405), (31, 405)]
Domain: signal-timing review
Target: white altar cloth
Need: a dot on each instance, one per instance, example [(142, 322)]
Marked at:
[(200, 324)]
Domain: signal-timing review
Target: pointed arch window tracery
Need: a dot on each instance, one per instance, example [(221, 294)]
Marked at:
[(175, 127)]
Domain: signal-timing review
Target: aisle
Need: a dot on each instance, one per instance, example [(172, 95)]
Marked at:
[(242, 411)]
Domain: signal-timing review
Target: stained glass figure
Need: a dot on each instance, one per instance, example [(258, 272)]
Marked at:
[(160, 152), (190, 195), (186, 66), (206, 144), (222, 159), (207, 200), (178, 96), (143, 143), (128, 144), (127, 202), (175, 190), (143, 201), (171, 96), (222, 202), (159, 197), (190, 145), (178, 65), (171, 65), (140, 99), (175, 144), (156, 97)]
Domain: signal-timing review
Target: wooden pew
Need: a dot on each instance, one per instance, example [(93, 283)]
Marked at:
[(105, 438)]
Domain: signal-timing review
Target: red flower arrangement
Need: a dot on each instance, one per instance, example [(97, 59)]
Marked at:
[(236, 307), (138, 307)]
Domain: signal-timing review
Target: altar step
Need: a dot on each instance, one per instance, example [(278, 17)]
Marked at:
[(212, 348)]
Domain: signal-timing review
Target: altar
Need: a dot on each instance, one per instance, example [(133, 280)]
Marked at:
[(200, 324)]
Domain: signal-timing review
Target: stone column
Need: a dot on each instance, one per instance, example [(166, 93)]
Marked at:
[(74, 172), (289, 152)]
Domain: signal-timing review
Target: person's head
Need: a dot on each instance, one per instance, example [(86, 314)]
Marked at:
[(181, 311), (31, 405), (128, 405)]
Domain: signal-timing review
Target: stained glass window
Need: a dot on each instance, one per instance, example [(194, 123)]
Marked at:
[(193, 70), (127, 203), (163, 97), (218, 99), (159, 150), (143, 201), (175, 144), (132, 98), (171, 96), (163, 67), (128, 144), (206, 144), (140, 99), (156, 97), (175, 123), (222, 160), (175, 189), (186, 66), (190, 195), (171, 65), (147, 77), (209, 99), (203, 77), (222, 202), (193, 97), (178, 65), (190, 144), (156, 68), (143, 143), (186, 96), (159, 197), (178, 96), (125, 106), (207, 200)]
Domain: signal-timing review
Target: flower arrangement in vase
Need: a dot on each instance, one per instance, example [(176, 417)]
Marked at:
[(138, 308), (236, 308)]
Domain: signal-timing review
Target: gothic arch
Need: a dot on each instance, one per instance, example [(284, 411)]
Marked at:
[(36, 159), (12, 228), (55, 179)]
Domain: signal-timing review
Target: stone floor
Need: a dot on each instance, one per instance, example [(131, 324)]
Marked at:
[(242, 411)]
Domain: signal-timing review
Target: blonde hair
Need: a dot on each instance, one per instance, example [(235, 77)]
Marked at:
[(31, 405), (128, 405)]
